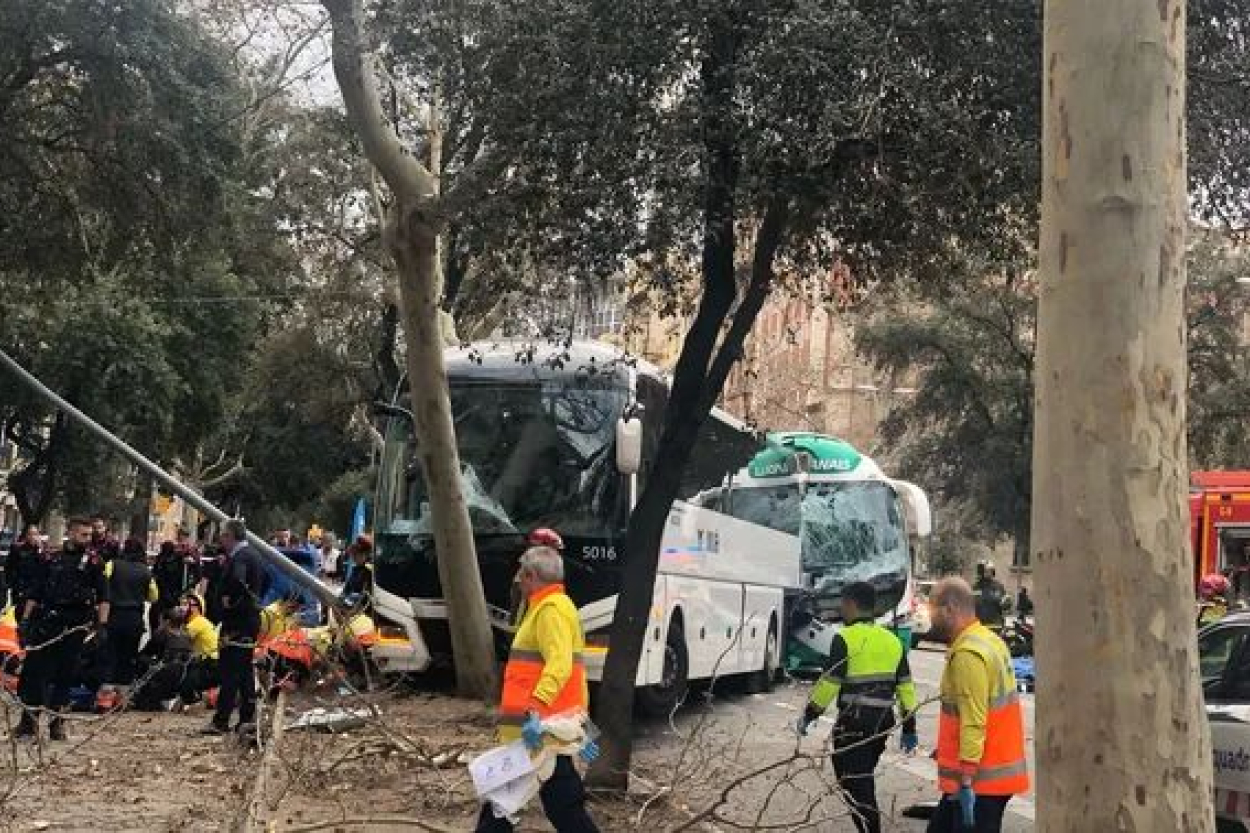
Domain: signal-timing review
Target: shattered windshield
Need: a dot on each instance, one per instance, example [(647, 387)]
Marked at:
[(532, 454), (850, 532)]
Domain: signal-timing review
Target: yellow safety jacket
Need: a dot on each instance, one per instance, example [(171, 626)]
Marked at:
[(203, 637), (545, 671), (981, 729), (868, 672)]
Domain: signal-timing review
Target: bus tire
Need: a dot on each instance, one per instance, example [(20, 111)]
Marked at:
[(766, 678), (661, 699)]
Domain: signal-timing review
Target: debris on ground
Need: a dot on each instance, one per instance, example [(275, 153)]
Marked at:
[(404, 758), (330, 720)]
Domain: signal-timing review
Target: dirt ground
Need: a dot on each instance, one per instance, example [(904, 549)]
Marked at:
[(154, 772)]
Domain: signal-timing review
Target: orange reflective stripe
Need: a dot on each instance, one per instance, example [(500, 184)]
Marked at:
[(1003, 768), (536, 656)]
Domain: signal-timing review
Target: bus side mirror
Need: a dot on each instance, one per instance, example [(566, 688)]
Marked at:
[(916, 506), (629, 445)]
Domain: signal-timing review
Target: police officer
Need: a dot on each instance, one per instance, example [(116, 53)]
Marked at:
[(102, 541), (22, 565), (242, 584), (867, 673), (68, 598), (131, 586)]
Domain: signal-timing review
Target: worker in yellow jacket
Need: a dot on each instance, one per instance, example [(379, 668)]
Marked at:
[(867, 677), (980, 754), (545, 676)]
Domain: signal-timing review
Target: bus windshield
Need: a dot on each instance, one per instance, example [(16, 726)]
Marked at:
[(850, 531), (535, 453)]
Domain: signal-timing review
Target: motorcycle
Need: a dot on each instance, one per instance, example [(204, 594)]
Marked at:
[(1018, 635)]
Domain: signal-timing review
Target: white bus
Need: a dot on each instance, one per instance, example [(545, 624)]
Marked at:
[(855, 523), (538, 432)]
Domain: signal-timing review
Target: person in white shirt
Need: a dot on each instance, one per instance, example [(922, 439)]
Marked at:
[(329, 557)]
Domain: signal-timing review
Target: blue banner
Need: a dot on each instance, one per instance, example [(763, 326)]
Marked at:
[(358, 520)]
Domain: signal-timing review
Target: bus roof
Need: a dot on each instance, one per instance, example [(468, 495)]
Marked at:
[(528, 360), (831, 458), (516, 360)]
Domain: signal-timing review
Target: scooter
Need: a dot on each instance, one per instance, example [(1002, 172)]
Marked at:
[(1019, 637)]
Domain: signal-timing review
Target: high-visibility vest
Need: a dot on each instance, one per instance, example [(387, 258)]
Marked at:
[(525, 665), (869, 678), (1003, 768)]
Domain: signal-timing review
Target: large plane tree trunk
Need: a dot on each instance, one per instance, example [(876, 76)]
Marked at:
[(413, 224), (1122, 742)]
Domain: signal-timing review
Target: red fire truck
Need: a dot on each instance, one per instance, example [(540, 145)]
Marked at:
[(1219, 521)]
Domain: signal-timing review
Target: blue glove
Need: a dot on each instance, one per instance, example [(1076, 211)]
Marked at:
[(589, 752), (532, 732), (909, 742), (968, 806)]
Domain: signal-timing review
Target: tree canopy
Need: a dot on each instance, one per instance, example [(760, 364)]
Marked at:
[(966, 433)]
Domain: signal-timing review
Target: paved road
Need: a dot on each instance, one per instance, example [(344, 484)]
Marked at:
[(711, 745)]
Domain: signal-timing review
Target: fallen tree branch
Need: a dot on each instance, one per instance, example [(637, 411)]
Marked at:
[(372, 821), (256, 809)]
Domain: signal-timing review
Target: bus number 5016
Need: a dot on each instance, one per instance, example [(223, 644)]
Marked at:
[(601, 553)]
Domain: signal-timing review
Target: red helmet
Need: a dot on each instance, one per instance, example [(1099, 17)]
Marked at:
[(544, 537), (1213, 585)]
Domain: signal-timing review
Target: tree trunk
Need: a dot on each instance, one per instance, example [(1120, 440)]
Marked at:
[(414, 246), (1119, 699), (35, 485), (682, 417), (415, 220)]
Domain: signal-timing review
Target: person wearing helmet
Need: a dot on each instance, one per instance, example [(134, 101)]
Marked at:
[(991, 596), (1213, 598), (541, 537), (544, 537)]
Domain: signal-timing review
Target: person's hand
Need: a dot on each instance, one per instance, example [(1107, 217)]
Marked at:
[(909, 742), (532, 732), (589, 752), (968, 806), (802, 724)]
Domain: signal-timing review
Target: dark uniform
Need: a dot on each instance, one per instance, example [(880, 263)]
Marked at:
[(20, 569), (868, 675), (67, 588), (358, 592), (106, 546), (177, 570), (130, 586), (242, 585), (990, 597)]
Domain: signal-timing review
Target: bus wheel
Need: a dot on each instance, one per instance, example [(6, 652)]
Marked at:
[(661, 699), (764, 679)]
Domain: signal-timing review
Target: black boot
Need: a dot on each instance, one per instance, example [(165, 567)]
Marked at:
[(26, 727), (56, 729)]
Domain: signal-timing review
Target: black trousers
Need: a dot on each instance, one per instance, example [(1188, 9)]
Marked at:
[(948, 818), (187, 679), (238, 683), (52, 663), (855, 756), (125, 634), (158, 608), (564, 802)]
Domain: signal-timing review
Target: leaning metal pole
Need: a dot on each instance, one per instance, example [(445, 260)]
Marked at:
[(285, 565)]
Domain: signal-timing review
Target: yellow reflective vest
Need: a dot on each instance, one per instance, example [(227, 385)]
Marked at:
[(545, 671)]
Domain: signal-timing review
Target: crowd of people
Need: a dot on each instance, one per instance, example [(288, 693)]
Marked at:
[(97, 617)]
